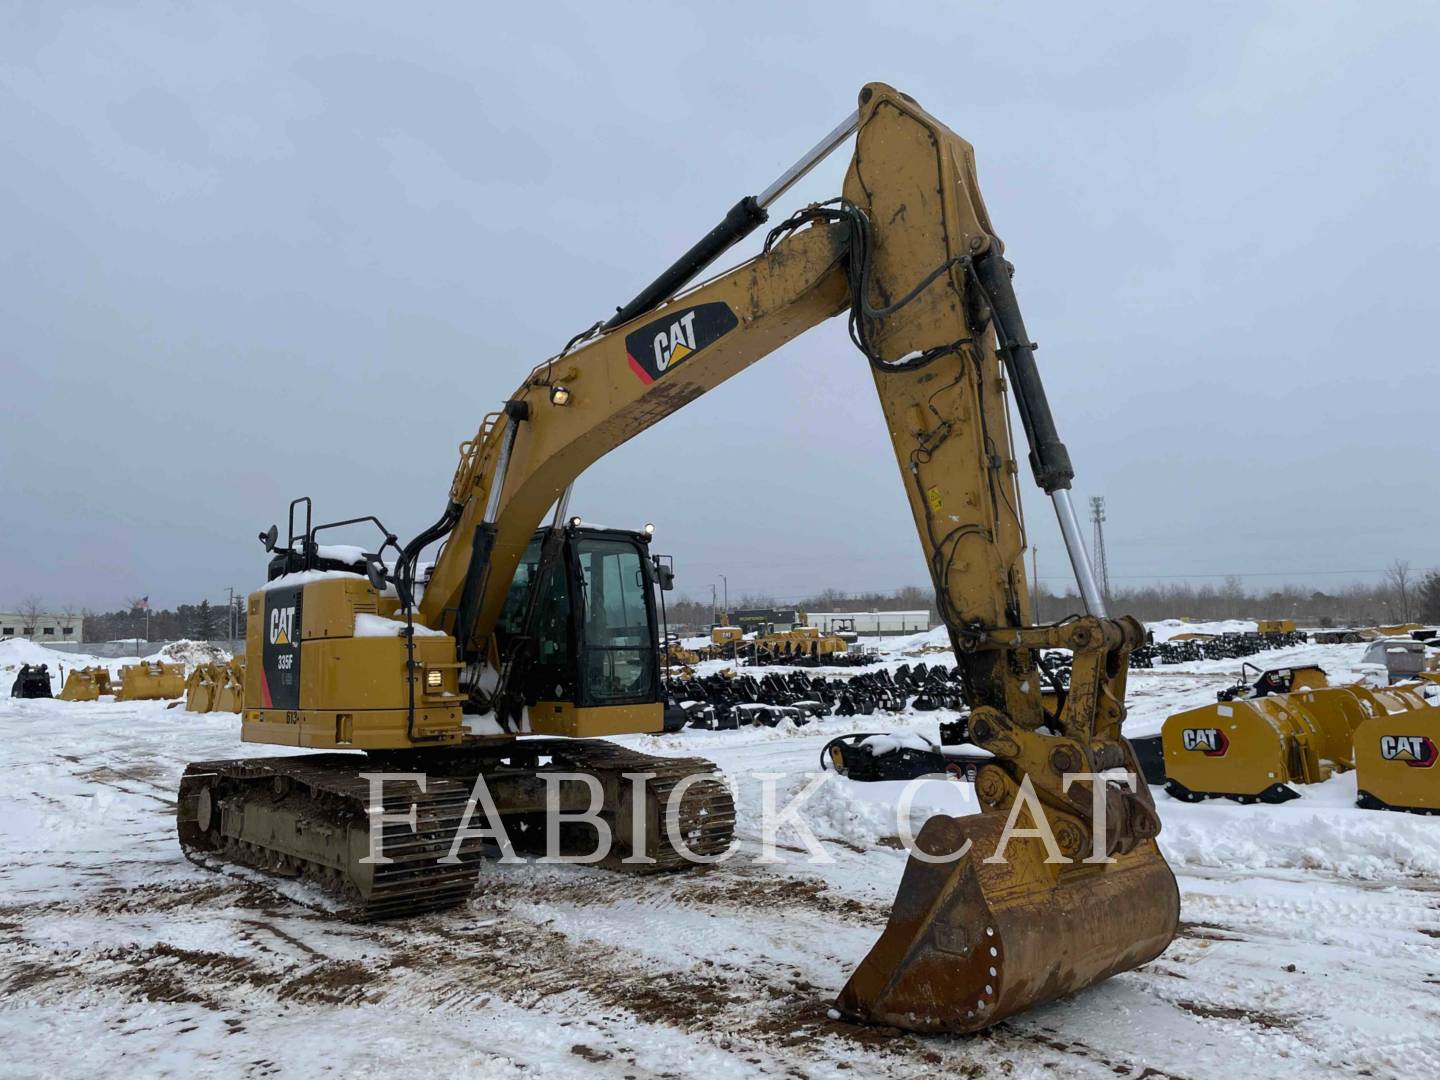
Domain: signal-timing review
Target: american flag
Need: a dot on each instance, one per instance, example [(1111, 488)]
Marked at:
[(143, 604)]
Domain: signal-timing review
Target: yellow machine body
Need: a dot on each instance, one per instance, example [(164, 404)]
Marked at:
[(318, 684), (150, 680)]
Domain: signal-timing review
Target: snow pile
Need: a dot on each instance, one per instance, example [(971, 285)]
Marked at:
[(1322, 830), (15, 652), (190, 653), (1166, 629), (931, 641)]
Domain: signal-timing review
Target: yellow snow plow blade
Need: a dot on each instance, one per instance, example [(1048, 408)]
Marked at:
[(1253, 749), (1396, 757), (150, 680), (974, 941)]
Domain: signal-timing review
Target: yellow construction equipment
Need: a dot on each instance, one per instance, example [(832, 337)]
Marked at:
[(202, 686), (554, 632), (1292, 728), (86, 684), (1395, 761), (1275, 626), (230, 694), (150, 680), (216, 687)]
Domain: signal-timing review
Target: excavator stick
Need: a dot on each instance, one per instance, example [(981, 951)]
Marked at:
[(1005, 926)]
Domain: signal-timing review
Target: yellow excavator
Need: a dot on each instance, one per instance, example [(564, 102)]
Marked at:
[(527, 642)]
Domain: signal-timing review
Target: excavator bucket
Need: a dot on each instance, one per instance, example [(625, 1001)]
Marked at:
[(201, 687), (974, 940), (86, 684), (150, 680), (230, 691)]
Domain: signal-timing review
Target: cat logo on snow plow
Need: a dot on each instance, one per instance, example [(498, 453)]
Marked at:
[(662, 345), (1417, 751), (1209, 741)]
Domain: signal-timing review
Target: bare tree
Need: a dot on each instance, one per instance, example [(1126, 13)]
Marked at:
[(1400, 587), (32, 607), (1429, 597)]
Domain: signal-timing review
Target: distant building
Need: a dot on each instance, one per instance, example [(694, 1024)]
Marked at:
[(763, 620), (871, 623), (41, 628)]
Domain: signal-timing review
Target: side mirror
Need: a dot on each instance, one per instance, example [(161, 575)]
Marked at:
[(664, 576), (269, 537), (376, 573)]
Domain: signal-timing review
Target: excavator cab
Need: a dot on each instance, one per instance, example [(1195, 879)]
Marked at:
[(579, 627)]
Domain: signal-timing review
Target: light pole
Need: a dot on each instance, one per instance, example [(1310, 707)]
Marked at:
[(713, 620), (726, 580)]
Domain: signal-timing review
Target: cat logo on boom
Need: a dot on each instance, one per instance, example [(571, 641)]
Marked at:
[(1417, 751), (662, 345), (282, 625), (1208, 740)]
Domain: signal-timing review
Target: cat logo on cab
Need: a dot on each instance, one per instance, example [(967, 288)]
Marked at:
[(662, 345)]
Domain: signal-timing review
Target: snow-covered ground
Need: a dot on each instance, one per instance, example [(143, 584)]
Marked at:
[(1310, 940)]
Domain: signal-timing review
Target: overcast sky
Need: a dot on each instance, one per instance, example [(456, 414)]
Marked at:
[(256, 251)]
